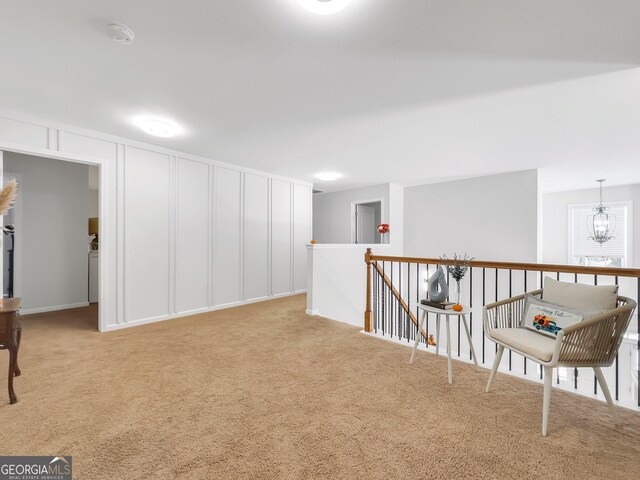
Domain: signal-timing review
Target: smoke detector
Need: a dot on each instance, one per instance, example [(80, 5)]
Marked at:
[(120, 33)]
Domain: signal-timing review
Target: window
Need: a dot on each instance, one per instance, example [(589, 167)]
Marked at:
[(584, 251)]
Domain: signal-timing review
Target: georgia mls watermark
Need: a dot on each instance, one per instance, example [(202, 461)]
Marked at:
[(35, 468)]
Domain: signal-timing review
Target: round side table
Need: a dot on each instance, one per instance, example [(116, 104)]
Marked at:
[(425, 309)]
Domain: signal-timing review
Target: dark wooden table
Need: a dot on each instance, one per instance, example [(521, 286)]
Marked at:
[(10, 334)]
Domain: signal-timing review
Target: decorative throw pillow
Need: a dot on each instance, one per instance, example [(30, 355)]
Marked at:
[(579, 295), (549, 318), (548, 321)]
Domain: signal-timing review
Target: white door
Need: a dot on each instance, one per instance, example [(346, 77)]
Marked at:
[(365, 224)]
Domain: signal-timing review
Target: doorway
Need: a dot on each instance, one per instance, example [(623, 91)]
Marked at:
[(367, 215), (47, 253)]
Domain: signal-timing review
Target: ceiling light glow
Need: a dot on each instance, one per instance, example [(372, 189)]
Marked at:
[(324, 7), (156, 127), (119, 32), (328, 176)]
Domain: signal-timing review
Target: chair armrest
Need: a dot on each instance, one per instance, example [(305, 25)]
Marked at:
[(596, 341), (505, 313)]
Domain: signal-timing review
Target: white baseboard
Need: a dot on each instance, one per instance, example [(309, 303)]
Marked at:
[(161, 318), (312, 312), (30, 311)]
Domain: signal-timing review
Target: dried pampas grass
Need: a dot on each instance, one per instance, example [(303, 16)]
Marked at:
[(8, 196)]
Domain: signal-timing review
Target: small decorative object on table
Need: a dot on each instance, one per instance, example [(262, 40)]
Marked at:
[(457, 268), (438, 288), (440, 305)]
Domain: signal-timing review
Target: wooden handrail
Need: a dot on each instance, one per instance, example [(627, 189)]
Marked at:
[(533, 267), (372, 259)]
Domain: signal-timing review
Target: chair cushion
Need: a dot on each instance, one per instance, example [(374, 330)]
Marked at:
[(528, 342), (580, 296)]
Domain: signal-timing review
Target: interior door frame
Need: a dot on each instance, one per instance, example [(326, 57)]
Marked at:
[(353, 215), (107, 246)]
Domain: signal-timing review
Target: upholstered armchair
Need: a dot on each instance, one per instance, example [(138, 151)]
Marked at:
[(593, 342)]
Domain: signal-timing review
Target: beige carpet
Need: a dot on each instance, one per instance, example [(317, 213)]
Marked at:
[(265, 391)]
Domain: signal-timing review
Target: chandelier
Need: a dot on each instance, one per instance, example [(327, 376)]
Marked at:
[(601, 224)]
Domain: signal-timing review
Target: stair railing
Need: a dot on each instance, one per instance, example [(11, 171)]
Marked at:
[(395, 286)]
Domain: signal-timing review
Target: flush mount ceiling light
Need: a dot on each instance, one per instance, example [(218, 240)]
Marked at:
[(328, 176), (324, 7), (119, 32), (156, 127)]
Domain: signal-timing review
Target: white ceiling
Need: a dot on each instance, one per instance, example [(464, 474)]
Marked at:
[(409, 91)]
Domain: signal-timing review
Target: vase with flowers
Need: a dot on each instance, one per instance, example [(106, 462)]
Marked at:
[(457, 266), (383, 230)]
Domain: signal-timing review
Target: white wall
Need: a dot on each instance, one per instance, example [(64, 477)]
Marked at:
[(178, 233), (337, 281), (396, 219), (490, 218), (52, 233), (332, 220), (336, 273), (555, 219)]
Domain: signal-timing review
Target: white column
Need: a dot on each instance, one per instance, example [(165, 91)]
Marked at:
[(312, 307)]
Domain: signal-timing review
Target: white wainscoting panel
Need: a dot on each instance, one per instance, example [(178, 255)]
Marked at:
[(256, 236), (281, 237), (180, 233), (301, 234), (23, 133), (146, 239), (228, 236), (87, 146), (192, 244)]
